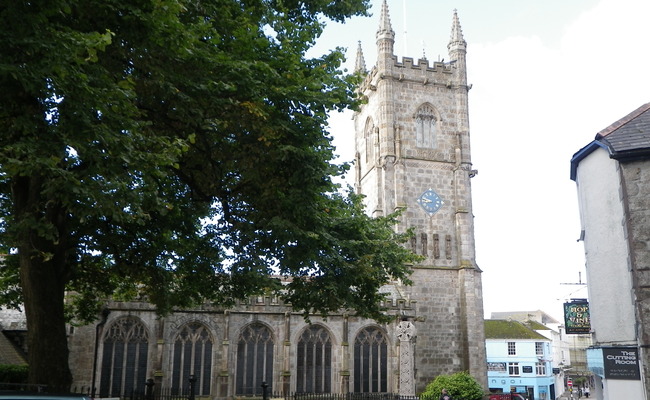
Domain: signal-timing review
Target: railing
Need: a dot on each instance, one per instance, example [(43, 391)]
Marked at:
[(188, 393), (325, 396)]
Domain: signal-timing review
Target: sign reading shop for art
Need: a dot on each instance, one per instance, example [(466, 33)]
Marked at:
[(576, 317), (621, 363)]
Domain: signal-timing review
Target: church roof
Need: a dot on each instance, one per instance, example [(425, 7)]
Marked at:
[(627, 139)]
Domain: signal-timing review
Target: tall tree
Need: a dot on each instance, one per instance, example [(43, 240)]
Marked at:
[(178, 150)]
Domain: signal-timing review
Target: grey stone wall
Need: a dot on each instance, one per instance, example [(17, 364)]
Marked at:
[(225, 326), (636, 192), (395, 171)]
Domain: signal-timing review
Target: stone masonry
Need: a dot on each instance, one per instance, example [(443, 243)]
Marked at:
[(412, 136)]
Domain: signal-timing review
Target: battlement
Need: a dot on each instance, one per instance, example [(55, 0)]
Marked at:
[(424, 65), (269, 303), (408, 70), (393, 303)]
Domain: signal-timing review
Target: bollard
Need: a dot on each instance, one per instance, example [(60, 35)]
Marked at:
[(148, 391), (265, 395), (192, 382)]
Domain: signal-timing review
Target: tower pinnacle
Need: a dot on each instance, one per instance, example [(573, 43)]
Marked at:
[(360, 63), (456, 41), (458, 50), (385, 34)]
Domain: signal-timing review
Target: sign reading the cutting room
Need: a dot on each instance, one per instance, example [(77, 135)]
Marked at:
[(621, 363)]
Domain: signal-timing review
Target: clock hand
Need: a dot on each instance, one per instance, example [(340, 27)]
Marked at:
[(426, 200)]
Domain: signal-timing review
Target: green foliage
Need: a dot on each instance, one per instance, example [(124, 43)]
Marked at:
[(461, 386), (13, 373), (178, 150), (579, 381)]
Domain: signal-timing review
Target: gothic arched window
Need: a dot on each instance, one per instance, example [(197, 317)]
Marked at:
[(370, 361), (314, 361), (369, 142), (124, 358), (254, 360), (192, 355), (425, 126)]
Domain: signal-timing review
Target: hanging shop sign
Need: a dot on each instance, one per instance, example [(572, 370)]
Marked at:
[(576, 317)]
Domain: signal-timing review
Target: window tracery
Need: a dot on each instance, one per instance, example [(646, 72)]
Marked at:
[(314, 361), (124, 358), (425, 126), (254, 360), (370, 361), (192, 355)]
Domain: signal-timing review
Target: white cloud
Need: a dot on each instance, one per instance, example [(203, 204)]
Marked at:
[(546, 80), (533, 106)]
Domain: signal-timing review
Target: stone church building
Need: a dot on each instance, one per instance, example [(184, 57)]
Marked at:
[(412, 153)]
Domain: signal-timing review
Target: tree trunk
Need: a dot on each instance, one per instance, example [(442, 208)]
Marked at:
[(47, 343), (44, 272)]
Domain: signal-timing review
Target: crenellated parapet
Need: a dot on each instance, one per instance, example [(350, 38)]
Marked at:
[(422, 71), (395, 303)]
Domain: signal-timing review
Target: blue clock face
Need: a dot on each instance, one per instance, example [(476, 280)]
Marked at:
[(430, 201)]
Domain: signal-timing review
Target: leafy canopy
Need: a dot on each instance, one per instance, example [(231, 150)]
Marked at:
[(179, 150)]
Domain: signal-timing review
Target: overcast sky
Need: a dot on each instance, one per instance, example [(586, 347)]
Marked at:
[(547, 76)]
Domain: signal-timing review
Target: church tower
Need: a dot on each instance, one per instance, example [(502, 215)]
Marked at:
[(412, 148)]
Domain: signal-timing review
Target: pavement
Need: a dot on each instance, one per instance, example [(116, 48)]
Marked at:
[(567, 396)]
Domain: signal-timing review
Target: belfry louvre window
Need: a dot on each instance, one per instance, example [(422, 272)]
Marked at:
[(192, 355), (254, 360), (425, 126), (370, 361), (314, 361), (124, 358)]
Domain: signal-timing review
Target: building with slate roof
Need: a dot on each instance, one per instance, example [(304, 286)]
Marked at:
[(612, 175), (12, 338), (519, 359), (10, 353), (568, 358)]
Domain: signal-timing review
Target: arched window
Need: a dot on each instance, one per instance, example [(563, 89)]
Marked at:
[(314, 361), (425, 128), (192, 355), (254, 360), (370, 361), (368, 137), (124, 358)]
